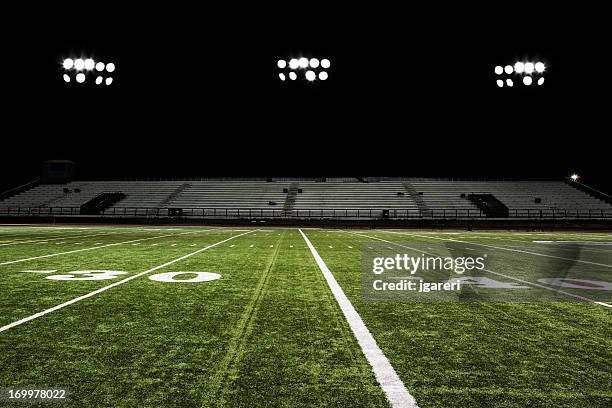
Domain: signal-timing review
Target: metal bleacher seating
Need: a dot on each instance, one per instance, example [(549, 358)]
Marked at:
[(342, 197)]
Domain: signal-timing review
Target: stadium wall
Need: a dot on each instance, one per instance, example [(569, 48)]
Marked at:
[(482, 223)]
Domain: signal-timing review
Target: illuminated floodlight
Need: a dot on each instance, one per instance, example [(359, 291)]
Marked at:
[(110, 67), (281, 64), (499, 70), (519, 67), (99, 80), (529, 67), (310, 75), (79, 64), (109, 81), (541, 81), (281, 76), (575, 177), (80, 78), (100, 66), (539, 67), (500, 83), (293, 63), (323, 75), (66, 78), (68, 63), (292, 76), (303, 62), (89, 64), (527, 80), (509, 82), (325, 63), (314, 63), (508, 69)]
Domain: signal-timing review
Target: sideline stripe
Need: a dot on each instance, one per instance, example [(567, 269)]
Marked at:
[(537, 285), (392, 385), (91, 248), (112, 285), (503, 248)]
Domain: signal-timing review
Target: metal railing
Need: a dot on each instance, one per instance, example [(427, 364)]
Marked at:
[(278, 213)]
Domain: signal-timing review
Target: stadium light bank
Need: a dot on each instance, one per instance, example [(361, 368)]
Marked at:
[(526, 71), (82, 68), (313, 68)]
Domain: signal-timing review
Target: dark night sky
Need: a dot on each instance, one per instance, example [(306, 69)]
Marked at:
[(411, 92)]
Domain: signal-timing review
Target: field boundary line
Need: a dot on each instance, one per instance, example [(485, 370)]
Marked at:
[(495, 273), (500, 248), (393, 387), (92, 248), (112, 285)]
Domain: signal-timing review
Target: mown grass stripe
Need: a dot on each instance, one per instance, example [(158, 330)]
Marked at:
[(238, 342)]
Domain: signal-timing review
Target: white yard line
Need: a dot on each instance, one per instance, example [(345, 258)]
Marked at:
[(586, 299), (504, 249), (112, 285), (385, 374), (89, 249)]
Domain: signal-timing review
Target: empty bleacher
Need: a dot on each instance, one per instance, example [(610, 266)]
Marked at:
[(356, 197), (519, 196), (304, 198)]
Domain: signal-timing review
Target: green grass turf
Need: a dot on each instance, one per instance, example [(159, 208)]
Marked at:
[(269, 332)]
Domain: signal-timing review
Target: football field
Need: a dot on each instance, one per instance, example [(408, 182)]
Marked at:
[(246, 317)]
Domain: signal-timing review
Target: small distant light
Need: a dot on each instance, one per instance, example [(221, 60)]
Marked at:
[(100, 66), (110, 67), (509, 82), (499, 70), (79, 64), (325, 63), (541, 81), (575, 177), (508, 69), (292, 76), (281, 64), (519, 67), (527, 80), (80, 78), (281, 76), (314, 63), (68, 63), (109, 81), (89, 64), (529, 67), (310, 75), (66, 78), (303, 62), (500, 83), (539, 67), (323, 75), (293, 63), (99, 80)]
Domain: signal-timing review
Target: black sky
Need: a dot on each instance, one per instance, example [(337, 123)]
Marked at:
[(411, 91)]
